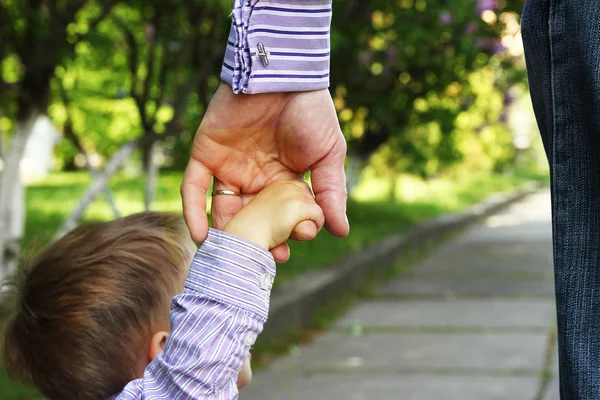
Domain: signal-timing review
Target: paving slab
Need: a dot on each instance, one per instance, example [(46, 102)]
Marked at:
[(509, 254), (516, 259), (459, 286), (422, 351), (481, 313), (529, 219), (323, 386), (530, 231), (553, 390), (554, 368)]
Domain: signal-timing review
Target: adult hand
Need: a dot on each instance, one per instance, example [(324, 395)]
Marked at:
[(248, 141)]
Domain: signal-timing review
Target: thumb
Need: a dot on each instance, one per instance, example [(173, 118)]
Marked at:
[(196, 181), (328, 181)]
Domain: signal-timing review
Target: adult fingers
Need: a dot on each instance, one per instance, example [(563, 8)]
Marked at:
[(329, 185), (224, 207), (196, 181)]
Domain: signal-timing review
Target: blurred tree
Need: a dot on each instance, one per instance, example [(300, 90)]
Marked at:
[(35, 37), (401, 76), (165, 55), (105, 104)]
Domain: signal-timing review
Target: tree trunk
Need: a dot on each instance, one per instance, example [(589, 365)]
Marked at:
[(147, 154), (69, 134), (12, 249), (12, 208), (107, 194), (151, 178), (97, 186)]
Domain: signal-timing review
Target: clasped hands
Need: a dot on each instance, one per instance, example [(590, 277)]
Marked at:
[(247, 142)]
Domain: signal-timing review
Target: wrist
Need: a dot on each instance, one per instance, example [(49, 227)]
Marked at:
[(249, 232)]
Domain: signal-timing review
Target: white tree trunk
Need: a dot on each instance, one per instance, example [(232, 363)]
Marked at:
[(12, 207), (17, 225), (107, 192), (97, 186)]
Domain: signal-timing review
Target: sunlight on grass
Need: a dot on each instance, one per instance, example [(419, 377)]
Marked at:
[(450, 192), (378, 208)]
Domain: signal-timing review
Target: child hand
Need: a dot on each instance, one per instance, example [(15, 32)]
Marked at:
[(271, 217)]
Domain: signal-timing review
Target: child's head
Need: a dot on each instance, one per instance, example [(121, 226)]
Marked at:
[(88, 310)]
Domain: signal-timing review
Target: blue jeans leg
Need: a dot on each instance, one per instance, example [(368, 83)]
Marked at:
[(562, 49)]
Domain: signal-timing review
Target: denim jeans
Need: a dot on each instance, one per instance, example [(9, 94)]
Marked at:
[(562, 50)]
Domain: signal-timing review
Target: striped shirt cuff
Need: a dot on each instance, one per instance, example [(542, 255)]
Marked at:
[(278, 46), (234, 271)]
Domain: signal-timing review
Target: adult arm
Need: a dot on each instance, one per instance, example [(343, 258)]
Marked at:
[(288, 126)]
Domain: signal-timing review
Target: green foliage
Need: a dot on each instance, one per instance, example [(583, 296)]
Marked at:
[(422, 83), (35, 38), (406, 72), (147, 65)]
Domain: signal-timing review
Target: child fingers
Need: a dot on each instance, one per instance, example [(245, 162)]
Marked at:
[(305, 230), (281, 253), (310, 220), (315, 214)]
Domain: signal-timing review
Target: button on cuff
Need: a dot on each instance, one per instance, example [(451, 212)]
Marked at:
[(265, 282), (250, 339)]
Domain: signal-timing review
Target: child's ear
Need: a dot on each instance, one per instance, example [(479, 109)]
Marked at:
[(157, 344)]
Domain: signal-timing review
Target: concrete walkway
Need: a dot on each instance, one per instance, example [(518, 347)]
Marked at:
[(473, 321)]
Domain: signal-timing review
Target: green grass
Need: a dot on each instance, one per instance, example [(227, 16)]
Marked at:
[(379, 208), (50, 202), (373, 213), (10, 390)]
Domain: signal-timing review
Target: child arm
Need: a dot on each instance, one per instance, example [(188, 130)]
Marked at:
[(226, 299), (214, 323)]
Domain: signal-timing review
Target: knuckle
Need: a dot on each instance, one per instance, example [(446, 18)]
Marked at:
[(296, 207), (343, 146), (182, 189), (294, 188)]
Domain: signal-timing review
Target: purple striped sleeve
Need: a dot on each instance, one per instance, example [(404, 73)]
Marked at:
[(295, 38), (214, 323)]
